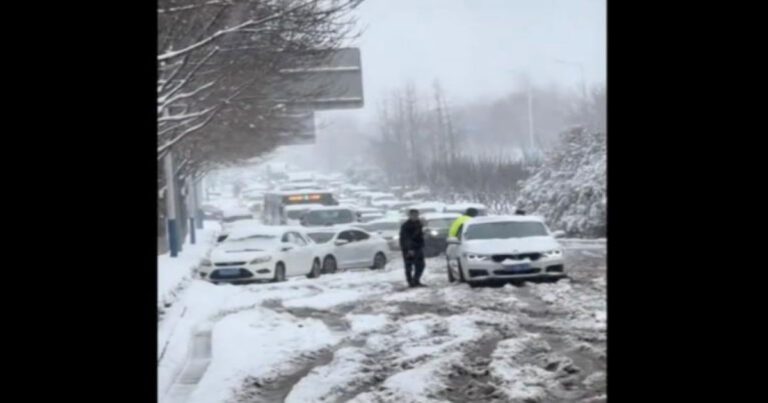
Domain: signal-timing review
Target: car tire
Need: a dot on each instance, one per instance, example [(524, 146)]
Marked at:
[(451, 279), (279, 273), (314, 272), (379, 261), (329, 265), (474, 284), (461, 272)]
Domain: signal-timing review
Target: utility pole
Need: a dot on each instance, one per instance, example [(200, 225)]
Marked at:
[(530, 117), (170, 204), (191, 208)]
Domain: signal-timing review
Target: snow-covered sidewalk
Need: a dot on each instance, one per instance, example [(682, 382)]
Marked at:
[(172, 273)]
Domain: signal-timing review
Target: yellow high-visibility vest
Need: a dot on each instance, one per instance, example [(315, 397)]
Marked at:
[(454, 230)]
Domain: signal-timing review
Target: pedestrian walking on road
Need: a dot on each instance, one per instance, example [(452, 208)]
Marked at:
[(412, 247)]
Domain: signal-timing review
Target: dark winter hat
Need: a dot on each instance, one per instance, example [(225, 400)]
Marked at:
[(519, 212), (472, 212)]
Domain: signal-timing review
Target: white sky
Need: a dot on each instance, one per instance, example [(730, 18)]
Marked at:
[(475, 46)]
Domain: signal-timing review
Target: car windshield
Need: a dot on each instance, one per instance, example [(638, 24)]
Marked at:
[(237, 218), (440, 223), (504, 230), (321, 237), (329, 217)]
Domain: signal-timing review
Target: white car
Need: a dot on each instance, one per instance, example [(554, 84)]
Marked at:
[(387, 228), (349, 247), (504, 248), (262, 253)]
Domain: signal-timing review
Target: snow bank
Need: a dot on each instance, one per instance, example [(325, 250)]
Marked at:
[(173, 272), (256, 343)]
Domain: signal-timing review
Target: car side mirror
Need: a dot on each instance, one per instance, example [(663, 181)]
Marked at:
[(453, 241), (340, 242), (558, 234)]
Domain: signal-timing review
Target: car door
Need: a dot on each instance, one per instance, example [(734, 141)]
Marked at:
[(288, 254), (363, 248), (303, 254), (345, 254)]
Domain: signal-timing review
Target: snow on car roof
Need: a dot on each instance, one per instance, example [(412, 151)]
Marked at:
[(437, 216), (332, 229), (301, 191), (272, 230), (387, 219), (364, 210), (504, 218)]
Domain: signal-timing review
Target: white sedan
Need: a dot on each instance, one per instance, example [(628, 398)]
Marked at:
[(262, 253), (346, 247), (504, 248)]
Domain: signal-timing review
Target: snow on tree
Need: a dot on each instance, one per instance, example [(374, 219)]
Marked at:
[(568, 189)]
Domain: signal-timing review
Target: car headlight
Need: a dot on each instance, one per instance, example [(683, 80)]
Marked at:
[(553, 253), (476, 257), (433, 232), (206, 263), (261, 260)]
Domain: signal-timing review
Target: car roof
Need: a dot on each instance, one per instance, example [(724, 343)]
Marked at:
[(437, 216), (505, 218), (388, 219)]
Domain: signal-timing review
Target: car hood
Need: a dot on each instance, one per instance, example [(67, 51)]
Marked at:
[(230, 253), (511, 245)]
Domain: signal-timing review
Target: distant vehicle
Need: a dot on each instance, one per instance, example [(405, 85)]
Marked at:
[(262, 253), (426, 207), (232, 215), (318, 216), (365, 214), (383, 200), (436, 227), (416, 195), (460, 208), (211, 212), (505, 248), (237, 226), (275, 203), (293, 213), (349, 247), (387, 228)]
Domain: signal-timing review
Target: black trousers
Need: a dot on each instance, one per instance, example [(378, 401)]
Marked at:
[(418, 261)]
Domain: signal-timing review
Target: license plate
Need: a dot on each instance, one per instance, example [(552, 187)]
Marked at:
[(517, 268), (229, 272)]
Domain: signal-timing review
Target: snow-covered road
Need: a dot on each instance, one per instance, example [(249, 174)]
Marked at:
[(363, 336)]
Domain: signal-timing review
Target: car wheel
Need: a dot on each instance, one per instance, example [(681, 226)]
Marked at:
[(314, 272), (279, 273), (451, 279), (329, 264), (379, 261), (474, 284), (461, 272)]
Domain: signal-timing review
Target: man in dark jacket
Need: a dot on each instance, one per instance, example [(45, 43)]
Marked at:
[(412, 247)]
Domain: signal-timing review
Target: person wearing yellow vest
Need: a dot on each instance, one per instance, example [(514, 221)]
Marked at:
[(459, 223)]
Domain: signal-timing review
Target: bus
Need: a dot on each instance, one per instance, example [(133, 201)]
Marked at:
[(274, 212)]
